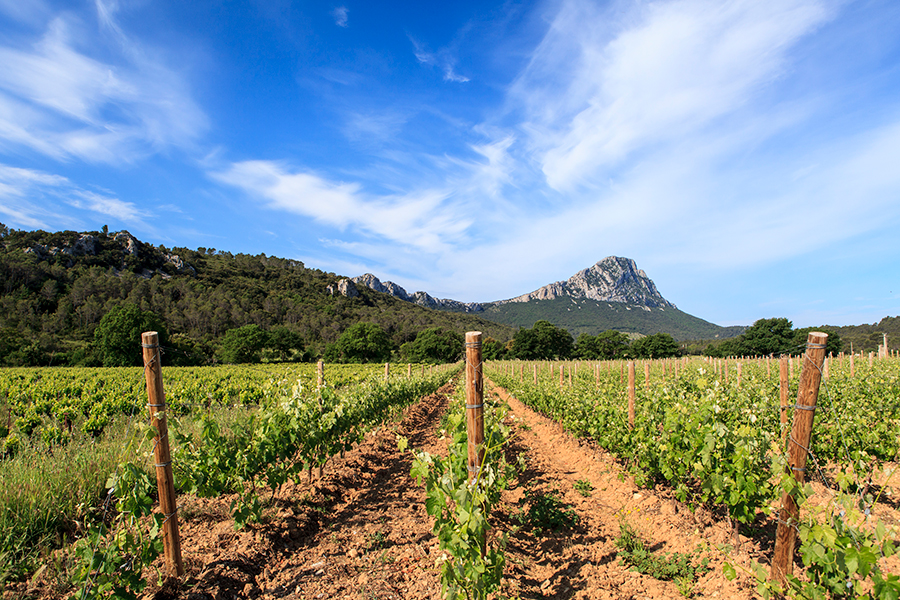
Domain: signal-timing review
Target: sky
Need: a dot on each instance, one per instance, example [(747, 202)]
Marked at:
[(745, 154)]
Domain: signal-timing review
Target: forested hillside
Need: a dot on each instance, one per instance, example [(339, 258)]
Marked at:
[(56, 287)]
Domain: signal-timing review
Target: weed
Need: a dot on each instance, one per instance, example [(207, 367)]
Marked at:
[(583, 487), (546, 511), (376, 540), (683, 569)]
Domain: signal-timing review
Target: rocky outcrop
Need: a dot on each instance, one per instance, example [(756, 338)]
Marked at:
[(420, 298), (84, 244), (130, 243), (89, 245), (613, 279), (345, 288)]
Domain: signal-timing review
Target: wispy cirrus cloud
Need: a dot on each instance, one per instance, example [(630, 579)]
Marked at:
[(604, 86), (417, 219), (58, 100), (33, 198), (442, 60), (341, 16)]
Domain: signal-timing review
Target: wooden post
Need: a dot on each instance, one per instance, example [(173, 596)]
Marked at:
[(474, 402), (798, 444), (739, 374), (535, 373), (156, 401), (784, 384), (387, 371), (631, 394), (647, 376), (320, 374), (562, 379), (852, 366)]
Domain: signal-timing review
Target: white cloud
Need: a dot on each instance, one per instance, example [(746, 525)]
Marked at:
[(417, 219), (341, 15), (451, 75), (61, 102), (603, 86), (32, 198), (443, 60)]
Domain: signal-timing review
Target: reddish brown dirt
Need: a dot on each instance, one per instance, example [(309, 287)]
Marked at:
[(361, 531)]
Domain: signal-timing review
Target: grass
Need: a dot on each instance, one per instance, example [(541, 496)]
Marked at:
[(49, 490)]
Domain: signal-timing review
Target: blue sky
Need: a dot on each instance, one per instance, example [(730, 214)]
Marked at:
[(745, 154)]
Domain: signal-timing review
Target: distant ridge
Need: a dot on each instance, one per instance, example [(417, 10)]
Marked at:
[(612, 294), (420, 298)]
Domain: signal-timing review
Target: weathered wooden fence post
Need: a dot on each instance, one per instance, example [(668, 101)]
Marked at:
[(798, 450), (631, 394), (387, 371), (474, 402), (785, 389), (156, 401), (647, 376), (320, 374)]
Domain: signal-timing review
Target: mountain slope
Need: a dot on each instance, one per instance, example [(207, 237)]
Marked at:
[(55, 288), (612, 294), (585, 315)]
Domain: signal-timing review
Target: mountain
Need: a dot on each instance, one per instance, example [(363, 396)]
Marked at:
[(56, 287), (613, 279), (612, 294)]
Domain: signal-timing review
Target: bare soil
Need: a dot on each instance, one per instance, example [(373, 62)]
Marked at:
[(361, 531)]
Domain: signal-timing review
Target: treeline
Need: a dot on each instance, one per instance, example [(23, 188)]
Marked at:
[(55, 289), (545, 341), (773, 337)]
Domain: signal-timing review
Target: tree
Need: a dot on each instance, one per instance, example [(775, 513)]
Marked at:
[(658, 345), (284, 342), (767, 337), (833, 345), (544, 341), (607, 345), (360, 343), (491, 349), (433, 345), (243, 344), (118, 336)]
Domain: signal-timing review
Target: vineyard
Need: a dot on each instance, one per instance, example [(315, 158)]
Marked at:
[(356, 484)]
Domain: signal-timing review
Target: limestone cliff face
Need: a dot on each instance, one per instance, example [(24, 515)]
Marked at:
[(613, 279)]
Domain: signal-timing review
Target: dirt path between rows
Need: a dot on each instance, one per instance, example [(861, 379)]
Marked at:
[(361, 531)]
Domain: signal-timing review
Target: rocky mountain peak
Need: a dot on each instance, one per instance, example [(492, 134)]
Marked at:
[(613, 279)]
